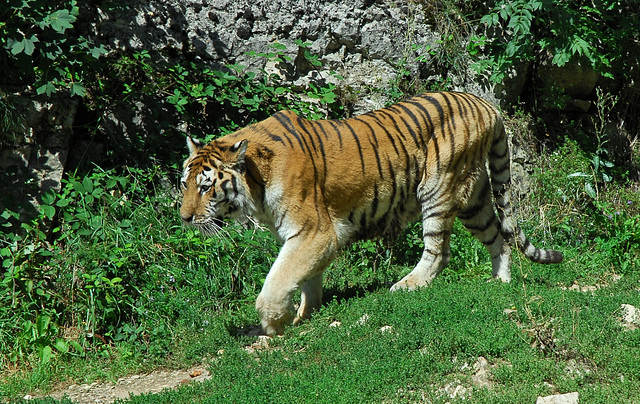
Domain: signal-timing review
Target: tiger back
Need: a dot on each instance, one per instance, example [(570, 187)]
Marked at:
[(319, 185)]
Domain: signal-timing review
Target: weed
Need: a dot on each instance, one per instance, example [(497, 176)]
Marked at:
[(600, 160)]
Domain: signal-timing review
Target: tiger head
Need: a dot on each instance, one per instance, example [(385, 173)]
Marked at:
[(213, 184)]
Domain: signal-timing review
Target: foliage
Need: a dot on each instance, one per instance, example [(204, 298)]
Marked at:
[(38, 50), (227, 97), (92, 265), (604, 221), (600, 32), (173, 99), (11, 120)]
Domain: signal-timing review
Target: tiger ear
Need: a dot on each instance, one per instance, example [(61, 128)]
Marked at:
[(194, 145), (239, 151)]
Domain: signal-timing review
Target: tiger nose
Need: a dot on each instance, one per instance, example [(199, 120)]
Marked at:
[(186, 217)]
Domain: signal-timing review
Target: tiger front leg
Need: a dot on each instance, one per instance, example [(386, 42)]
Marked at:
[(299, 265), (433, 261)]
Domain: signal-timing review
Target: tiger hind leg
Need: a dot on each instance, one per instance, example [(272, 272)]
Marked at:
[(480, 219)]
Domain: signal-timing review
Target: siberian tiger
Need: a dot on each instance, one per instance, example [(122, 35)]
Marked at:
[(319, 185)]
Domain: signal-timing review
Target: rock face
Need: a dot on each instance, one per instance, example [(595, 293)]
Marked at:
[(32, 160), (364, 41)]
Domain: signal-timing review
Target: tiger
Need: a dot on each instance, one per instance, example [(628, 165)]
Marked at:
[(319, 185)]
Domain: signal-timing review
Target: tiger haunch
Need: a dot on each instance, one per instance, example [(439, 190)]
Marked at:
[(319, 185)]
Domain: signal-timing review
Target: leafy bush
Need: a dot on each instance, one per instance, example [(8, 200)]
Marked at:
[(193, 97), (106, 261), (601, 32), (238, 94), (36, 48)]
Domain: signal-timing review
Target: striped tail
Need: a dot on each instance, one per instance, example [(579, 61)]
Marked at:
[(499, 167)]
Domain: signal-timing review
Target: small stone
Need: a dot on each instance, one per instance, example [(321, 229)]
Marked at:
[(509, 312), (630, 316), (481, 376), (569, 398), (363, 319)]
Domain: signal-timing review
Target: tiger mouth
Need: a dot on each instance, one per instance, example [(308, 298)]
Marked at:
[(211, 226)]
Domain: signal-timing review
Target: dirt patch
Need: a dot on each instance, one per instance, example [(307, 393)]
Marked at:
[(126, 387)]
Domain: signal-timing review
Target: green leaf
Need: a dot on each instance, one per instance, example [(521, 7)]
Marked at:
[(488, 19), (78, 187), (48, 210), (61, 345), (76, 345), (42, 325), (48, 197), (61, 20), (87, 184), (579, 46), (97, 52), (62, 203), (512, 48), (78, 89), (47, 88), (29, 45), (561, 58), (45, 354), (17, 47)]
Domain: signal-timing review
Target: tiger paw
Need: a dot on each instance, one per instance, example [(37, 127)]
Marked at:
[(274, 316), (409, 283)]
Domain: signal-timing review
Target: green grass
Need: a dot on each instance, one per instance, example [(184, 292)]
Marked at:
[(436, 336)]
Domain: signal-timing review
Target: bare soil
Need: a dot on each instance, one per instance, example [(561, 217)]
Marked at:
[(126, 387)]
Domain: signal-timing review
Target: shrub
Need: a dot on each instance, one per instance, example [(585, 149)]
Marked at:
[(601, 32), (37, 48)]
